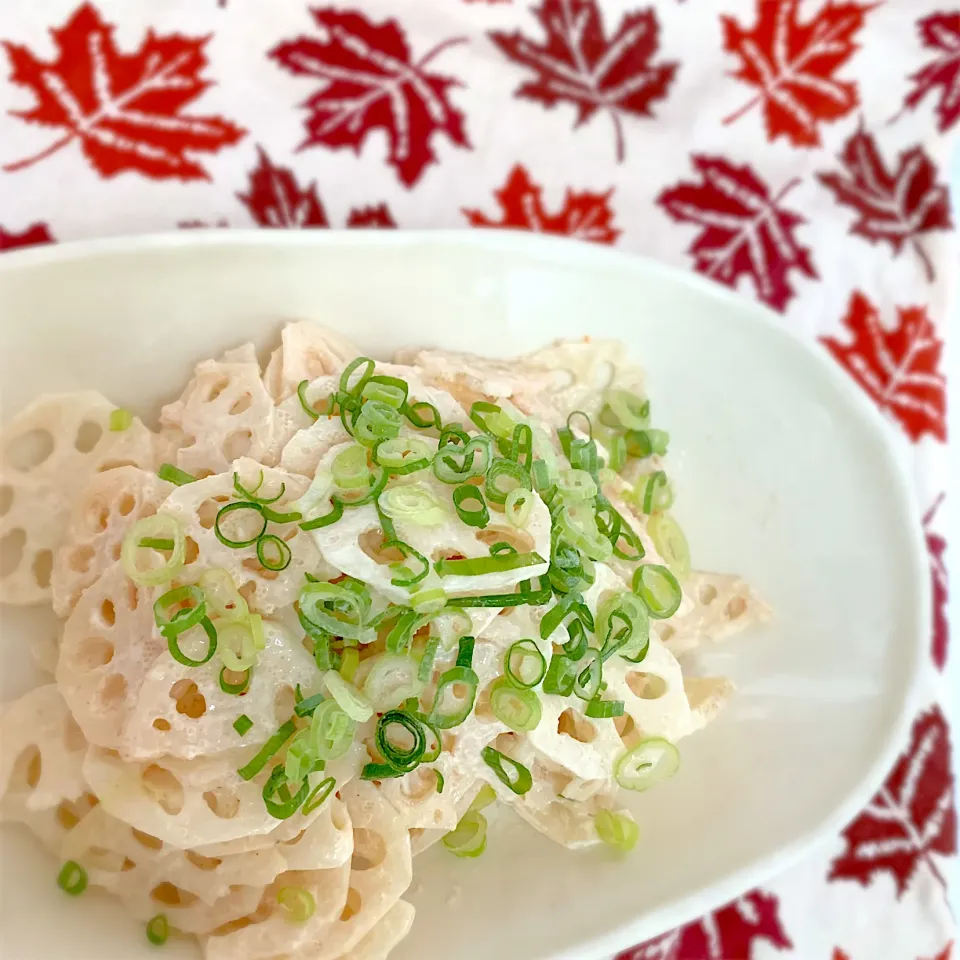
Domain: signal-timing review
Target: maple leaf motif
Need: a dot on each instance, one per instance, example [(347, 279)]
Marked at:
[(34, 234), (896, 206), (276, 200), (898, 367), (125, 110), (939, 31), (912, 815), (378, 216), (722, 935), (579, 64), (745, 231), (838, 954), (944, 954), (584, 215), (793, 65), (936, 547), (369, 82)]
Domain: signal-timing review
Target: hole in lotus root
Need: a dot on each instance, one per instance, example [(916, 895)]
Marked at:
[(353, 905), (667, 632), (647, 686), (6, 499), (43, 567), (114, 465), (253, 565), (707, 594), (419, 784), (237, 444), (133, 596), (520, 541), (112, 691), (284, 701), (108, 613), (146, 839), (127, 504), (371, 543), (11, 552), (573, 725), (164, 788), (241, 404), (162, 725), (369, 849), (71, 812), (222, 803), (191, 551), (625, 726), (27, 767), (73, 738), (172, 896), (736, 608), (201, 862), (207, 513), (80, 559), (87, 436), (217, 386), (29, 450), (190, 701), (337, 817)]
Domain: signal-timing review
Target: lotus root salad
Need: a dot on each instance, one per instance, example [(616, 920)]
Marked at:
[(325, 614)]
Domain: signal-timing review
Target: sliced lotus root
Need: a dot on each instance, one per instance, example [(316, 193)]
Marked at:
[(181, 711), (381, 871), (49, 452), (707, 696), (197, 504), (381, 940), (99, 519), (109, 643), (326, 843), (270, 930), (189, 914), (306, 351), (723, 605), (133, 864), (224, 414)]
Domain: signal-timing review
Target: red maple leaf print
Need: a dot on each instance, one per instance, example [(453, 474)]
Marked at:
[(276, 200), (944, 954), (912, 815), (369, 83), (34, 234), (576, 62), (838, 954), (378, 216), (793, 65), (744, 230), (124, 109), (940, 32), (898, 367), (894, 206), (727, 933), (584, 215), (936, 547)]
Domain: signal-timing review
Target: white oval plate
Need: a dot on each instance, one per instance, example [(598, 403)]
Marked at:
[(785, 472)]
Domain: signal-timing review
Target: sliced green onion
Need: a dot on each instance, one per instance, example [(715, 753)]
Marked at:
[(173, 645), (239, 640), (524, 664), (161, 526), (349, 661), (320, 604), (628, 608), (505, 476), (617, 830), (428, 600), (336, 512), (576, 485), (602, 709), (649, 762), (576, 645), (491, 419), (658, 588), (304, 403), (353, 703), (518, 708), (175, 475), (244, 494), (401, 634), (305, 707), (465, 652), (300, 759), (570, 571), (456, 464), (377, 421), (237, 506), (431, 419), (466, 494), (590, 675), (414, 503), (469, 839), (404, 574), (481, 566), (518, 779), (653, 492), (223, 598), (331, 731), (632, 412), (454, 435), (521, 450), (319, 793), (439, 780), (155, 543), (297, 903), (120, 420), (273, 553), (183, 618), (425, 670), (645, 443), (243, 724), (389, 390), (570, 605), (275, 517), (670, 543), (235, 688), (399, 757), (578, 523), (391, 680), (451, 706), (518, 506), (276, 795), (485, 796), (72, 878), (360, 382), (524, 596), (379, 771), (349, 468), (403, 455), (158, 930), (272, 746)]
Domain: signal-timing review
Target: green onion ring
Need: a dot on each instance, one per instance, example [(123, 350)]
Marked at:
[(469, 839), (590, 675), (399, 758), (283, 553), (235, 688), (403, 575), (456, 716), (505, 470), (524, 650), (173, 645), (519, 708), (560, 676), (158, 930), (477, 516), (72, 878), (182, 619), (272, 746), (319, 793), (233, 508), (521, 780), (658, 588), (502, 562), (276, 786), (410, 411), (361, 381), (603, 709)]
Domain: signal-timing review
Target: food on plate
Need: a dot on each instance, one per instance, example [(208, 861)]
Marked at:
[(326, 614)]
